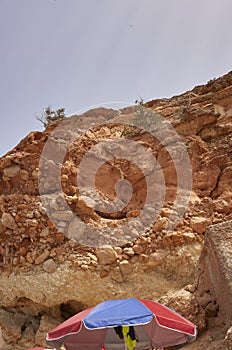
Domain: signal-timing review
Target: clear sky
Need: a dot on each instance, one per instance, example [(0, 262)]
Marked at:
[(80, 53)]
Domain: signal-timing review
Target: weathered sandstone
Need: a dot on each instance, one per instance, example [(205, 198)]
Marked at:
[(62, 249)]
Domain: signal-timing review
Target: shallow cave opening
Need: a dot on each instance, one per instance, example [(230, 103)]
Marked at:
[(71, 308)]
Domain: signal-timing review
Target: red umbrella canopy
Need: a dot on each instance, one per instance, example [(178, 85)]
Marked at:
[(138, 323)]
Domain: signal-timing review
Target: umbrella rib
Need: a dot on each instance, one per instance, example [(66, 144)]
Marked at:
[(112, 326)]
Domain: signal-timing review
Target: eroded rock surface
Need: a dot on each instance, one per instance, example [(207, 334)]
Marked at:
[(62, 249), (212, 290), (215, 267)]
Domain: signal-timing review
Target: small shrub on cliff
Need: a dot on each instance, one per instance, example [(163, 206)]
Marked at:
[(48, 116)]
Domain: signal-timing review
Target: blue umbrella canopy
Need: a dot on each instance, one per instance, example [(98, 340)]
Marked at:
[(112, 313)]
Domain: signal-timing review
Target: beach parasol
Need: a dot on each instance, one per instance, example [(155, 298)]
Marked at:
[(130, 323)]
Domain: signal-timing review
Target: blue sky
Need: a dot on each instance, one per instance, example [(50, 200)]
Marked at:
[(80, 53)]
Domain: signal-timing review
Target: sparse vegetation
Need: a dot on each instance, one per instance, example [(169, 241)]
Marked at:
[(48, 116), (209, 82), (145, 120), (139, 101)]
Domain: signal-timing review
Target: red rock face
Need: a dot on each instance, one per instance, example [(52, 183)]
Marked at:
[(33, 238), (202, 118)]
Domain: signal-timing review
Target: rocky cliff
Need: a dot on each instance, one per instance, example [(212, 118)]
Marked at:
[(73, 226)]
